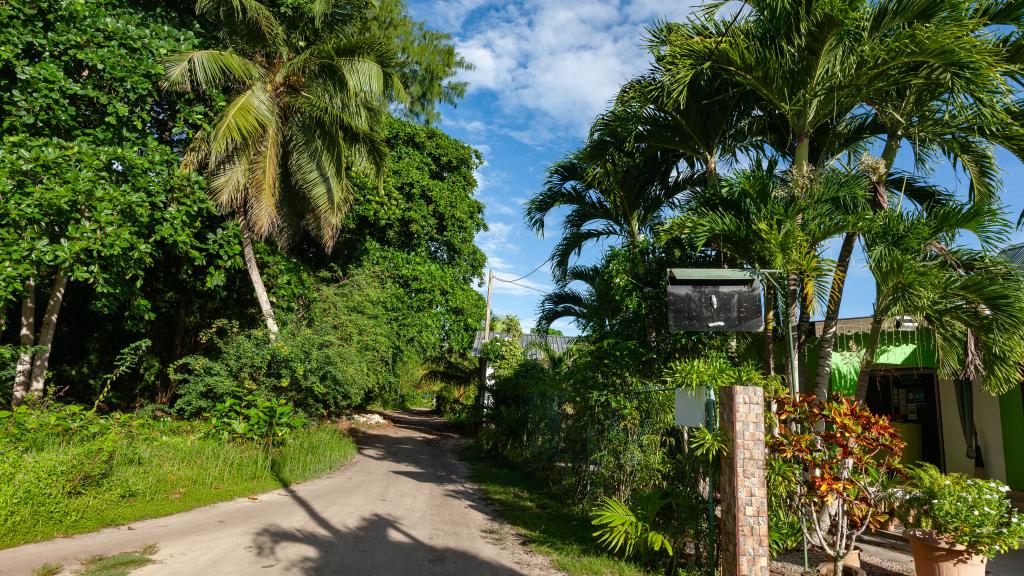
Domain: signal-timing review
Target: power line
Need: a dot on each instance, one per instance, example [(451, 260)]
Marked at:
[(528, 275), (520, 285)]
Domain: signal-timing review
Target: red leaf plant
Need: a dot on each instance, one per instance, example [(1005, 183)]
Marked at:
[(846, 457)]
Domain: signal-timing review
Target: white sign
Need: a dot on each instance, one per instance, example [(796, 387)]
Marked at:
[(689, 407)]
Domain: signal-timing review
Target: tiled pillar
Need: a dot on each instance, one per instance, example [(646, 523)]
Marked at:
[(744, 530)]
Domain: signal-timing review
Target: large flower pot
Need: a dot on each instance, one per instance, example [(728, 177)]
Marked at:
[(934, 556)]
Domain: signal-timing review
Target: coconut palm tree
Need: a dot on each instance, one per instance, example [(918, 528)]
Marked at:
[(306, 102)]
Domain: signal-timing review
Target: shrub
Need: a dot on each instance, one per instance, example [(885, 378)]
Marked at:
[(348, 349), (971, 512)]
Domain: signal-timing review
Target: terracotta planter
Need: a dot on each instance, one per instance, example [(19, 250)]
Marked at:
[(934, 556)]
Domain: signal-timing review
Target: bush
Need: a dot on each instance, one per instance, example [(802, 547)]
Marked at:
[(971, 512), (355, 345)]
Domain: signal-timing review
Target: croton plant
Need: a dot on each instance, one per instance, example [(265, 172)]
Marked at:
[(845, 457)]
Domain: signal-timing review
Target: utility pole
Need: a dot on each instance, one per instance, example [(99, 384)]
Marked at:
[(487, 321)]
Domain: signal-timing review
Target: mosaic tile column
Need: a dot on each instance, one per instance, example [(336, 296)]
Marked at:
[(744, 496)]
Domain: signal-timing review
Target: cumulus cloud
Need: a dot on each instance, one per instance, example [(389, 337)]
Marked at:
[(554, 64)]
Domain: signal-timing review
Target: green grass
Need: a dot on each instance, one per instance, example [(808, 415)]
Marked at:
[(71, 485), (551, 527), (118, 564), (48, 570)]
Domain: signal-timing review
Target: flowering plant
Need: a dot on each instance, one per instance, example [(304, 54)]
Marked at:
[(971, 512)]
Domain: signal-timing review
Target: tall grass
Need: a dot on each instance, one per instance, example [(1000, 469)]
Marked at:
[(73, 483)]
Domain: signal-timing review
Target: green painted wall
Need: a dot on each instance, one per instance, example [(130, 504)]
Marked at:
[(1011, 412)]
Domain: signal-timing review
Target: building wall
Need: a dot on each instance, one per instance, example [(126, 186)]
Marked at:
[(987, 420), (1011, 412)]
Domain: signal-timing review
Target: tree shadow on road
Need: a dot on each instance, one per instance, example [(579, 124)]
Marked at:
[(378, 546)]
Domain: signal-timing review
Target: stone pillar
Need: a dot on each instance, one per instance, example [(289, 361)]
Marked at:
[(744, 496)]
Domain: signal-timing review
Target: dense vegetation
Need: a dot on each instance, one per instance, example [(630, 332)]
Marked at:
[(132, 207), (757, 140)]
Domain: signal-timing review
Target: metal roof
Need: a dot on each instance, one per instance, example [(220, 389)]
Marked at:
[(557, 343), (1014, 253)]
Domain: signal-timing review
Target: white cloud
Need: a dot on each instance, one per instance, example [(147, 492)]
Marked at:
[(555, 63), (497, 238)]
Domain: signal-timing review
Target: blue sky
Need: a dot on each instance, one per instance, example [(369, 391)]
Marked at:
[(544, 69)]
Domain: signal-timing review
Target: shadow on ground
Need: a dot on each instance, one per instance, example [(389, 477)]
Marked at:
[(380, 544)]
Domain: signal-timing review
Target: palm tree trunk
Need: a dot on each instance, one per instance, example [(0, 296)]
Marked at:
[(42, 359), (866, 363), (827, 342), (793, 359), (26, 338), (769, 328), (254, 275), (805, 330)]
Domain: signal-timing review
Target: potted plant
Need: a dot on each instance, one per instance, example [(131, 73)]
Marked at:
[(956, 523), (845, 456)]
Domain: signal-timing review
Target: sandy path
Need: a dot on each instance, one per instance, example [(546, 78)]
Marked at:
[(402, 506)]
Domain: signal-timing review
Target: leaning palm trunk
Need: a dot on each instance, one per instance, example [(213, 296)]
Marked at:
[(255, 276), (830, 326), (869, 357), (26, 338), (42, 358)]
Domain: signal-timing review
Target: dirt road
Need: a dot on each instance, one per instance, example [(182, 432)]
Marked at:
[(402, 506)]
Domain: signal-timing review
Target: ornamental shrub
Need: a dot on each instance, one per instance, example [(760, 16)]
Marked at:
[(971, 512)]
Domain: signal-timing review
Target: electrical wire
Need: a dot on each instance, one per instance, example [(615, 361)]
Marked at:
[(520, 285), (528, 275)]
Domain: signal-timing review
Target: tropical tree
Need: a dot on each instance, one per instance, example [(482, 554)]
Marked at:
[(621, 195), (591, 307), (831, 78), (968, 297), (306, 102), (756, 219)]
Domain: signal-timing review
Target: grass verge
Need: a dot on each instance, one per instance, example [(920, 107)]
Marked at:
[(71, 485), (552, 529)]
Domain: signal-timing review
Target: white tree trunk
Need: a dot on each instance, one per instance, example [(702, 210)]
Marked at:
[(254, 274), (26, 338), (42, 359)]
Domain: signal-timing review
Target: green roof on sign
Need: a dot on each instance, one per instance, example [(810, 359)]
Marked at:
[(710, 274)]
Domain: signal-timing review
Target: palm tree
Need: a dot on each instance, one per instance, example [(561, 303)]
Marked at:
[(592, 308), (755, 219), (623, 195), (969, 299), (832, 77), (305, 106)]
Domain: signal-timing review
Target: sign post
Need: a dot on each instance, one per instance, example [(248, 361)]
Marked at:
[(721, 300)]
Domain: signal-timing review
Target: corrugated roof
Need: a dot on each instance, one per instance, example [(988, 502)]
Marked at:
[(1015, 254), (557, 343)]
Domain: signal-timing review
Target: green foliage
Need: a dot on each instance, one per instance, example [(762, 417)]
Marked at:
[(65, 470), (119, 564), (255, 418), (357, 343), (971, 512), (622, 530), (542, 516), (427, 60)]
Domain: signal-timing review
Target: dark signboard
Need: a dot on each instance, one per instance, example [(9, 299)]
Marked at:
[(714, 300)]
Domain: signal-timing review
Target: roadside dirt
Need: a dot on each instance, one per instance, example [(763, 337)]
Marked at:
[(402, 506)]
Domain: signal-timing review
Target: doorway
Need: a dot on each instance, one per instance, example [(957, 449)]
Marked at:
[(910, 399)]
